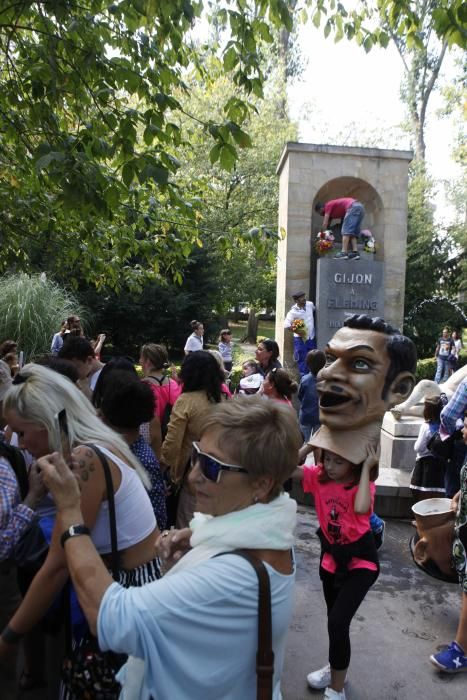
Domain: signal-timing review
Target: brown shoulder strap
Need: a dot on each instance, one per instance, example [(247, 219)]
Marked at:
[(265, 654)]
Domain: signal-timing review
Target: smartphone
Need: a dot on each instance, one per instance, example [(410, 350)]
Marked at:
[(63, 443), (21, 359)]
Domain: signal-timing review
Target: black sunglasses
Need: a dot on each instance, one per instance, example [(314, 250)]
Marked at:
[(211, 467)]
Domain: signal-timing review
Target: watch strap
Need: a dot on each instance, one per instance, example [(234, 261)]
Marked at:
[(74, 531)]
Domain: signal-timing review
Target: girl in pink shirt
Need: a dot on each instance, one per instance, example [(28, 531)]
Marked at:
[(344, 495)]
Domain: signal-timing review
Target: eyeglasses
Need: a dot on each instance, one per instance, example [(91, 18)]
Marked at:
[(211, 467)]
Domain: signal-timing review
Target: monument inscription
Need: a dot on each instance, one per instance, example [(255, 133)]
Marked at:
[(346, 287)]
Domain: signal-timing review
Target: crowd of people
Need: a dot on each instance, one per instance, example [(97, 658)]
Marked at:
[(152, 530)]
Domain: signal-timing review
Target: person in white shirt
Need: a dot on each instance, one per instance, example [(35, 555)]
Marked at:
[(195, 340), (303, 342)]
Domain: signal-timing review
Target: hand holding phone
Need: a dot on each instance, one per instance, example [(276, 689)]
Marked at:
[(63, 442)]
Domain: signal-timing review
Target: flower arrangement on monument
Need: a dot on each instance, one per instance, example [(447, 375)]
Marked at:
[(299, 327), (324, 242), (369, 243)]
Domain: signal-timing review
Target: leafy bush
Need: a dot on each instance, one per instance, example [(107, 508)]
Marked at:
[(426, 369), (31, 309)]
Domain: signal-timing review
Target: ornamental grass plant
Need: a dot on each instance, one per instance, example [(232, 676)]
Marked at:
[(31, 310)]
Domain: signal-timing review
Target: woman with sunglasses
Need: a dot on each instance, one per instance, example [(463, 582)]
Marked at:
[(193, 634), (279, 386)]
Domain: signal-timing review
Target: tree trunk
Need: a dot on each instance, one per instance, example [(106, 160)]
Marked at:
[(252, 327)]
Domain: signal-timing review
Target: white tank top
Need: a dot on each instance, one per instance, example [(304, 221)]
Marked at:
[(134, 514)]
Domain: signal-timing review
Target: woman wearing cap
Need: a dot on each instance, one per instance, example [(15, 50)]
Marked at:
[(194, 633)]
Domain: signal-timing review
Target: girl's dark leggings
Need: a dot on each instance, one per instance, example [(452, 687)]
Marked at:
[(342, 604)]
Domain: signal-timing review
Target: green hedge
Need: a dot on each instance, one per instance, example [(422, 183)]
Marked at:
[(426, 369)]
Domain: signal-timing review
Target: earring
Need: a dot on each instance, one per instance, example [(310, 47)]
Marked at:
[(255, 499)]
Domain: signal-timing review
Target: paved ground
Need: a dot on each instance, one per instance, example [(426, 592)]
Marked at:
[(404, 618)]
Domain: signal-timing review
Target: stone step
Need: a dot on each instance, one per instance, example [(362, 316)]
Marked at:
[(393, 495)]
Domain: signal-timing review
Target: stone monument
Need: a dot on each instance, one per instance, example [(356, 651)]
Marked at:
[(374, 284)]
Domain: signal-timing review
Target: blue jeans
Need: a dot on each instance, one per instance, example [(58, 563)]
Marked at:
[(309, 430), (442, 369), (301, 348), (352, 220)]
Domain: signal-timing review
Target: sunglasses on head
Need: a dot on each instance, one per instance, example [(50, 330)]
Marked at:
[(211, 467)]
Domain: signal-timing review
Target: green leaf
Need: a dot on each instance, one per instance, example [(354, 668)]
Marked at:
[(227, 157), (230, 59), (317, 19), (240, 137), (127, 174), (214, 153)]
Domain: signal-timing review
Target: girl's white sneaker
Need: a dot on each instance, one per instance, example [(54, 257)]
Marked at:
[(330, 694), (320, 679)]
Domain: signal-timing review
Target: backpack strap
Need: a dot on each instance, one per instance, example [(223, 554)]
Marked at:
[(159, 381)]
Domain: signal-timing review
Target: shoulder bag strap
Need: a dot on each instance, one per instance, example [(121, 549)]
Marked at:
[(265, 654), (111, 502)]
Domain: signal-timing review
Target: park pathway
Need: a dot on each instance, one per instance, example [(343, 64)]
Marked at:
[(404, 618)]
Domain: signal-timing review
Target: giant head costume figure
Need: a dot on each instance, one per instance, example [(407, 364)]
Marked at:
[(370, 367)]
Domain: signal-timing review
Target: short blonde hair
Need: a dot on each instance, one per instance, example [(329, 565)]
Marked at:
[(262, 436), (39, 393)]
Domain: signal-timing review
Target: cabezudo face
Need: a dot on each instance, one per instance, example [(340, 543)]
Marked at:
[(351, 383)]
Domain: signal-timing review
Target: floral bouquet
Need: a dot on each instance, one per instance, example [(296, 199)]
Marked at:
[(368, 240), (324, 242), (299, 327)]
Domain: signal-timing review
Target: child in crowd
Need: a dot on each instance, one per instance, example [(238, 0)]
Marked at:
[(225, 348), (279, 386), (308, 396), (252, 378), (344, 495), (427, 479)]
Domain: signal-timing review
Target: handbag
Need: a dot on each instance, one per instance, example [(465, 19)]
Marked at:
[(88, 672), (265, 653), (442, 448)]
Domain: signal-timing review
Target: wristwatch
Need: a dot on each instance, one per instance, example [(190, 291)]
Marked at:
[(74, 531)]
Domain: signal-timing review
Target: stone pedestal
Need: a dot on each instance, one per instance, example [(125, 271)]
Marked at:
[(344, 287), (397, 442)]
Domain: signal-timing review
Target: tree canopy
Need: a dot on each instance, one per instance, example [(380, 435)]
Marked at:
[(88, 116), (91, 101)]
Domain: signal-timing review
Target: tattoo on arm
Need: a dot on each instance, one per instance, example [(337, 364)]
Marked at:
[(85, 465)]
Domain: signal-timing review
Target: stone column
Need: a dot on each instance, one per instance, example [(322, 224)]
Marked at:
[(310, 173)]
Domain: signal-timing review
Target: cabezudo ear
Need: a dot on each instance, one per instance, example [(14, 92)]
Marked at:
[(401, 388)]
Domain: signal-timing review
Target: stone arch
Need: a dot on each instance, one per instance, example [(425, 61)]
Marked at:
[(358, 189)]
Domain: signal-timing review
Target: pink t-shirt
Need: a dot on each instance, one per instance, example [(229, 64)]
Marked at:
[(338, 520), (163, 395), (336, 208)]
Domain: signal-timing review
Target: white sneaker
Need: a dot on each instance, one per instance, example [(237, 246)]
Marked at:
[(320, 679), (330, 694)]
